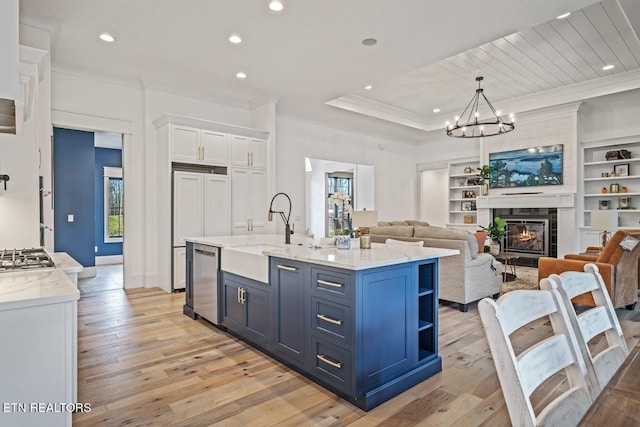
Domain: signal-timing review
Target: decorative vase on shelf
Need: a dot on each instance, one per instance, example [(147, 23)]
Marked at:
[(484, 189), (343, 241), (494, 248)]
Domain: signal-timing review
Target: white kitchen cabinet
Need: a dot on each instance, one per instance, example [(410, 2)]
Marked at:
[(247, 152), (191, 145), (201, 207), (38, 362), (249, 207), (179, 268), (199, 146)]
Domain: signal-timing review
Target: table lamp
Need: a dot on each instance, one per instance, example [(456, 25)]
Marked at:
[(362, 220), (604, 221)]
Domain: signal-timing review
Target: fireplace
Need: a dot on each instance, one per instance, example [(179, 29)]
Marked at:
[(527, 236), (531, 233)]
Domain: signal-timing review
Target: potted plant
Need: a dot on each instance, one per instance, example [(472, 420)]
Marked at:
[(484, 173), (495, 230)]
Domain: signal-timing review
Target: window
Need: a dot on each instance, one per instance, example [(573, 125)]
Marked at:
[(113, 205), (337, 218)]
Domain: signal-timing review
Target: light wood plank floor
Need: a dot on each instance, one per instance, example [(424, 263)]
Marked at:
[(142, 362)]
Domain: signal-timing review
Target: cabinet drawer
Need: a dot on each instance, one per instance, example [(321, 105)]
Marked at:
[(332, 364), (332, 283), (332, 319)]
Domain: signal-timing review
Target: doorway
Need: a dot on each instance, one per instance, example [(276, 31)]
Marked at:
[(88, 189), (340, 191)]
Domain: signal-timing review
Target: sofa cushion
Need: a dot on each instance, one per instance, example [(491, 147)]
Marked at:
[(417, 223), (383, 223), (393, 230), (398, 223), (448, 234)]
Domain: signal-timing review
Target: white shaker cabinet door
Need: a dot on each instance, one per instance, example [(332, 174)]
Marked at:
[(179, 268), (214, 148), (240, 190), (217, 205), (187, 206), (257, 153), (240, 151), (258, 204), (185, 145)]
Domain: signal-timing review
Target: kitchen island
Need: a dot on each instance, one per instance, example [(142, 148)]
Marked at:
[(361, 323), (38, 331)]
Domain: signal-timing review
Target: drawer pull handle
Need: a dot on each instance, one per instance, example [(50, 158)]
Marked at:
[(329, 319), (284, 267), (334, 284), (328, 361)]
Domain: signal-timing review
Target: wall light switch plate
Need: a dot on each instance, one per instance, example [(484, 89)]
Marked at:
[(70, 218)]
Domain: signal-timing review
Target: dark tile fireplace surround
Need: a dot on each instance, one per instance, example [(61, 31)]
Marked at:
[(531, 232)]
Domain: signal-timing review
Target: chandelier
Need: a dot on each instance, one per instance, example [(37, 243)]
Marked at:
[(468, 124)]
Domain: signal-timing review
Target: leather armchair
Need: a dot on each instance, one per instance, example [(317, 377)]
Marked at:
[(618, 267)]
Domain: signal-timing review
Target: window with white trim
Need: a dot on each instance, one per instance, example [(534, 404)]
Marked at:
[(113, 205)]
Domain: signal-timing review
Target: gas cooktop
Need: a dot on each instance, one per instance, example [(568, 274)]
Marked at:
[(24, 259)]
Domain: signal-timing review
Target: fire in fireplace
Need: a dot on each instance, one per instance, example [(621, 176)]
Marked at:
[(528, 237)]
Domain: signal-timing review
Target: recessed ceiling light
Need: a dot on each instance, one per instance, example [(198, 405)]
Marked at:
[(370, 42), (608, 67), (106, 37), (564, 15), (436, 110), (235, 39), (241, 75), (368, 87), (276, 5)]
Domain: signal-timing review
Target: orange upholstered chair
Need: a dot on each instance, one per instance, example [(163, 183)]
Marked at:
[(618, 267)]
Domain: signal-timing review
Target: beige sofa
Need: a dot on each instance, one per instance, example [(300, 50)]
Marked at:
[(464, 278)]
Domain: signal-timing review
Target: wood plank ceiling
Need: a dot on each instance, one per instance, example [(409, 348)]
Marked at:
[(552, 55)]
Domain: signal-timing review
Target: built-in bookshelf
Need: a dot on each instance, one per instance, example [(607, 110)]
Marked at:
[(463, 191)]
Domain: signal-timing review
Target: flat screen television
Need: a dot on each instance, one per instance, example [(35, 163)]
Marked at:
[(527, 167)]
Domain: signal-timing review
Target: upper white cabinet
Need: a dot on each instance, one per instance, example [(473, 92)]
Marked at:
[(190, 145), (247, 152), (249, 208)]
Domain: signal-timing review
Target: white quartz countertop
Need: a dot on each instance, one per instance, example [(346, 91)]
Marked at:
[(63, 261), (352, 259), (30, 288)]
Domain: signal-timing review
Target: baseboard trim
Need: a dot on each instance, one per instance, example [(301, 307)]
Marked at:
[(109, 259), (87, 272)]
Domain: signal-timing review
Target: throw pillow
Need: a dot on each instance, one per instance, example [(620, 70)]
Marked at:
[(481, 237)]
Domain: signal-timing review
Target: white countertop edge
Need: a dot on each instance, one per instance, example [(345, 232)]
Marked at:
[(39, 301), (356, 259), (66, 263)]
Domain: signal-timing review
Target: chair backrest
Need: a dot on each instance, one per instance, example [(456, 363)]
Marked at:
[(520, 375), (419, 243), (599, 320)]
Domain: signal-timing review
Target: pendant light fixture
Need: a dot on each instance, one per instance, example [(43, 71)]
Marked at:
[(469, 125)]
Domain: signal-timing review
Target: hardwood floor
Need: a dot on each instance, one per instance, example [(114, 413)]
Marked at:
[(142, 362)]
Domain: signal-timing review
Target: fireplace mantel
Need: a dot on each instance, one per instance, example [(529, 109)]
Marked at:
[(527, 200)]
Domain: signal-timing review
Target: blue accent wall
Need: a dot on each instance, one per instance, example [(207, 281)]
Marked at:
[(73, 193), (113, 158)]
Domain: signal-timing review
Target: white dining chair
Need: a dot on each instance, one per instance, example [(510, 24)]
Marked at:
[(520, 375), (596, 321)]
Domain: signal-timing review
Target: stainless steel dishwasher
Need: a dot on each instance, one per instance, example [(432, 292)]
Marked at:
[(206, 264)]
